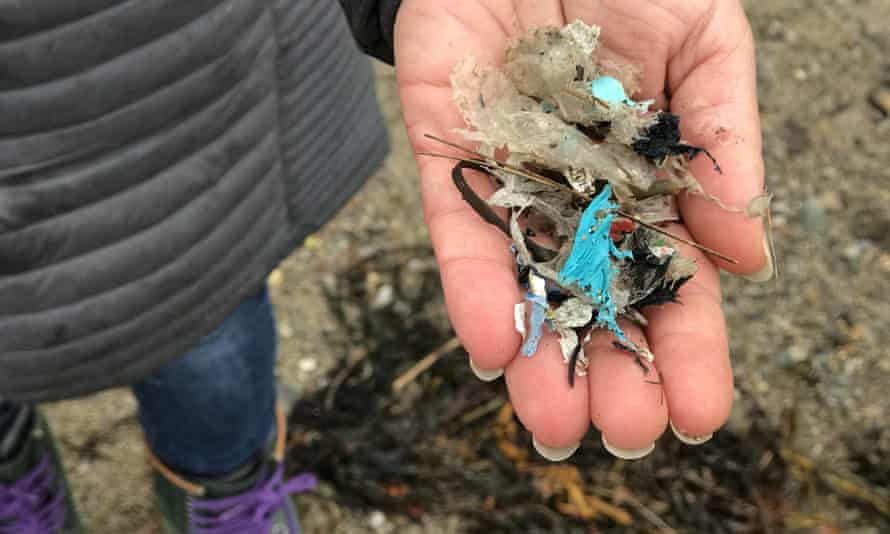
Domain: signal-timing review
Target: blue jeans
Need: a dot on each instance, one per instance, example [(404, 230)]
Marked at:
[(213, 409)]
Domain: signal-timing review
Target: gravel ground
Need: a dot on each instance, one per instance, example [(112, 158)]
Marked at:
[(813, 346)]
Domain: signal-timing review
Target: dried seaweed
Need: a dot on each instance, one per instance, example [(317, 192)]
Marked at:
[(446, 443)]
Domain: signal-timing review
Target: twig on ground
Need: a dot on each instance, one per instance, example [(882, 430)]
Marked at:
[(356, 357), (425, 363)]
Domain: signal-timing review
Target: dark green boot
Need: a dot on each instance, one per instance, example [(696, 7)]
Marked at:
[(254, 499), (34, 496)]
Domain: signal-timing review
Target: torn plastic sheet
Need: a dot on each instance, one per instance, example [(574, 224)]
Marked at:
[(548, 203), (502, 117), (656, 209)]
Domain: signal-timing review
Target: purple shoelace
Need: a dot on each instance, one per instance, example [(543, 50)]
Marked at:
[(252, 511), (35, 504)]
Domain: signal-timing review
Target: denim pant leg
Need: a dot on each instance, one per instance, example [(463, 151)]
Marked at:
[(212, 410)]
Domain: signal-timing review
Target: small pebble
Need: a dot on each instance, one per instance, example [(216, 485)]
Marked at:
[(285, 330), (276, 279), (884, 262), (402, 308), (383, 298), (880, 99), (856, 249), (372, 280), (813, 217), (307, 365), (832, 201), (797, 354), (329, 282), (376, 519)]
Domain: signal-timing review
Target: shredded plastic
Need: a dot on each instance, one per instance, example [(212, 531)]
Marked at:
[(590, 265), (590, 176)]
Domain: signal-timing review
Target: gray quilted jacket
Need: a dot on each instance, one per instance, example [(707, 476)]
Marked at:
[(158, 158)]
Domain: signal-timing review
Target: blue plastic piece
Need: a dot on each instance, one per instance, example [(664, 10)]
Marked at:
[(589, 266), (536, 322), (609, 89)]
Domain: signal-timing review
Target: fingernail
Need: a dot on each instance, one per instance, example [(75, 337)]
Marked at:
[(554, 454), (628, 454), (690, 440), (765, 274), (485, 375)]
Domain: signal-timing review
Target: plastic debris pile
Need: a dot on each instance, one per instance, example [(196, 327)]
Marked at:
[(590, 176)]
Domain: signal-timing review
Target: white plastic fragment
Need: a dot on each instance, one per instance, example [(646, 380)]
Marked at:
[(759, 206), (519, 318), (662, 252), (571, 314)]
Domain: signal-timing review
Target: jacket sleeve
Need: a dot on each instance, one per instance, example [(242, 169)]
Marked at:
[(372, 23)]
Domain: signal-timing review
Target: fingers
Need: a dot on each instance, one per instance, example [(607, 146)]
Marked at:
[(431, 37), (712, 80), (555, 413), (475, 262), (626, 405), (691, 349), (535, 14), (630, 408), (692, 359), (477, 270)]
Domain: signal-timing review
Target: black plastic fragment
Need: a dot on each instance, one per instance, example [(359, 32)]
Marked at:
[(663, 294), (573, 362), (662, 139), (484, 210), (579, 73), (647, 272)]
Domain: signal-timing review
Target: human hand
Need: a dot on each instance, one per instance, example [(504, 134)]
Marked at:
[(698, 61)]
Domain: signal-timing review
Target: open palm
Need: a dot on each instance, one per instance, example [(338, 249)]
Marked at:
[(698, 61)]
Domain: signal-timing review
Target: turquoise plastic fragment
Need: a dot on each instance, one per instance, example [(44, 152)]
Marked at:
[(589, 266), (610, 90)]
